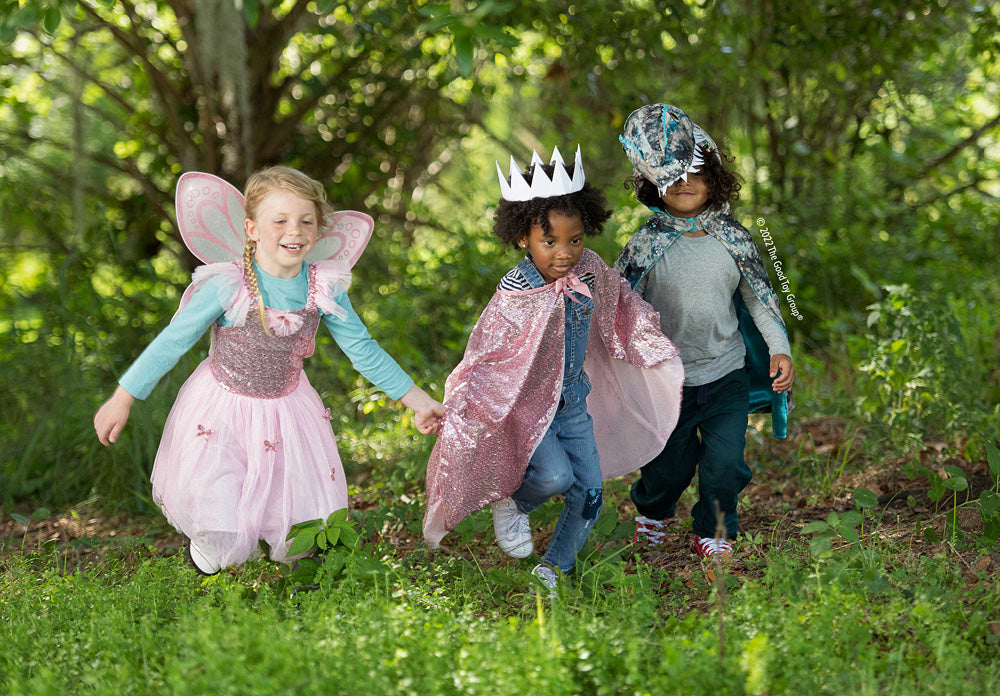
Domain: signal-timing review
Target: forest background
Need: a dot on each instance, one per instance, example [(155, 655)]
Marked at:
[(866, 133)]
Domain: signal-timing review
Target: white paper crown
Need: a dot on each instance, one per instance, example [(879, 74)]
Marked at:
[(541, 185)]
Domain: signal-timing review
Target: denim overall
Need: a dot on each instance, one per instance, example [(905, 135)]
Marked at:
[(566, 461)]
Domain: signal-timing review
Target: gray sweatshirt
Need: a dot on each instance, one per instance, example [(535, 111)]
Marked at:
[(692, 287)]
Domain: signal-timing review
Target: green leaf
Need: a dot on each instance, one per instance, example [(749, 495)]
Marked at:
[(434, 9), (937, 490), (991, 530), (322, 541), (820, 544), (956, 484), (814, 527), (20, 518), (40, 514), (851, 518), (432, 26), (332, 535), (993, 457), (480, 523), (349, 538), (849, 534), (299, 526), (954, 471), (51, 19), (606, 523), (989, 502), (336, 517), (251, 12), (865, 498), (306, 572), (305, 541), (334, 564), (370, 566), (464, 50)]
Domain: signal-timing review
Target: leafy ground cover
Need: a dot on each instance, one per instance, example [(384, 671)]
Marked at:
[(909, 599)]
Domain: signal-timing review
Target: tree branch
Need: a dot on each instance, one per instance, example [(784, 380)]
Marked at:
[(958, 147), (168, 95), (90, 77)]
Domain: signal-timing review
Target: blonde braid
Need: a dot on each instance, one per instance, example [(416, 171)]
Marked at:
[(251, 275)]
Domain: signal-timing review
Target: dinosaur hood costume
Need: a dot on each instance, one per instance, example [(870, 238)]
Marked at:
[(664, 145)]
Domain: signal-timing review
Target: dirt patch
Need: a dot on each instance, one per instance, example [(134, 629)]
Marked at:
[(784, 496)]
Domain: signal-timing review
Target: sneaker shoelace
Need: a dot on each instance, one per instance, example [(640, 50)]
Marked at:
[(514, 527), (515, 524), (710, 546)]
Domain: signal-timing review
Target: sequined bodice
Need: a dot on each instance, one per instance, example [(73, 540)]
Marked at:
[(249, 361)]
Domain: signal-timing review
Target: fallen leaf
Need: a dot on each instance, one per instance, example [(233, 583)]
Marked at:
[(983, 564)]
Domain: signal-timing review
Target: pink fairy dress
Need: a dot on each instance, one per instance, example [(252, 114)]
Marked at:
[(247, 450)]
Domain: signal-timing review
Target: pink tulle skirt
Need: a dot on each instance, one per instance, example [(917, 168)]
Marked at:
[(233, 469)]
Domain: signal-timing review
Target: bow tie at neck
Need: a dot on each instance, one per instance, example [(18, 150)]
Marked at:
[(571, 281)]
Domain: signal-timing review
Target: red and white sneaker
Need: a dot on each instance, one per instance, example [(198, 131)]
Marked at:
[(648, 532), (709, 546)]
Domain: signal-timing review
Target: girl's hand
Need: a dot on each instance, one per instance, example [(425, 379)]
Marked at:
[(428, 411), (112, 416), (782, 363)]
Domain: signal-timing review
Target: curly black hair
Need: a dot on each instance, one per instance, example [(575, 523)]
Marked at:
[(513, 219), (723, 183)]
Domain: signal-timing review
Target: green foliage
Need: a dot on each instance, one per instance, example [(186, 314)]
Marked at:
[(928, 377), (951, 480), (329, 543), (445, 625)]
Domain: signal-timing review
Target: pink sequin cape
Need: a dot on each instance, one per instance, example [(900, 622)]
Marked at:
[(502, 397)]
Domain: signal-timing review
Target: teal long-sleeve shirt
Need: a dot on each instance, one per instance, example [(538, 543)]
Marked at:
[(205, 308)]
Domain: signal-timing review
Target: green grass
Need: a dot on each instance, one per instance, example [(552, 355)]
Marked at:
[(441, 623), (896, 611)]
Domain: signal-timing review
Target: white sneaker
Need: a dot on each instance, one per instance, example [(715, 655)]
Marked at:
[(548, 577), (648, 532), (512, 529), (203, 562)]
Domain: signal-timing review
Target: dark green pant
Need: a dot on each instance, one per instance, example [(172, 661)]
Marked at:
[(709, 438)]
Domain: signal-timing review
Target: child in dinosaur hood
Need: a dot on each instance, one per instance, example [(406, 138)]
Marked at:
[(699, 268)]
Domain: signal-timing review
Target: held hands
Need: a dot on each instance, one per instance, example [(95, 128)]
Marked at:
[(112, 416), (428, 411), (782, 363)]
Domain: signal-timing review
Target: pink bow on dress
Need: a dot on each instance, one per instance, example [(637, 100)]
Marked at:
[(571, 281)]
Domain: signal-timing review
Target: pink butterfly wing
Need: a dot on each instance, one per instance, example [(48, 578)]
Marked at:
[(210, 217), (346, 239)]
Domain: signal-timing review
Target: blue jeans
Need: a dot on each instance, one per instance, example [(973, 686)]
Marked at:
[(566, 463)]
